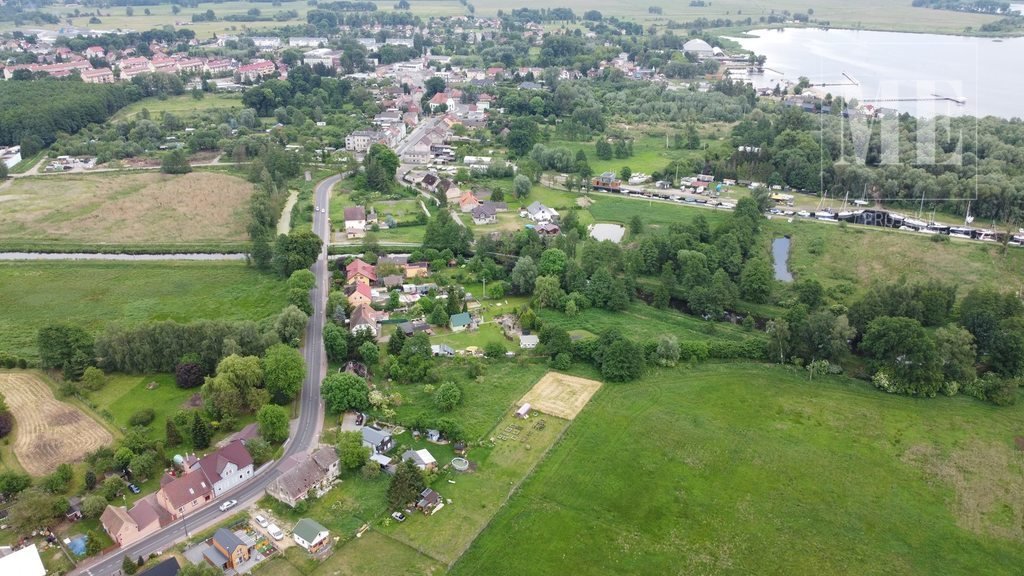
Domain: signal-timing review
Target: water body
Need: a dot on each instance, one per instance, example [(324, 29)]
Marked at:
[(780, 253), (985, 71), (126, 257)]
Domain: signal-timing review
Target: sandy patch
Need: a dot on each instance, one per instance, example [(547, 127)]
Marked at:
[(560, 395)]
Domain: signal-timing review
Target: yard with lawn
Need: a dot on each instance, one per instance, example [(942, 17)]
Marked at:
[(718, 468), (93, 293)]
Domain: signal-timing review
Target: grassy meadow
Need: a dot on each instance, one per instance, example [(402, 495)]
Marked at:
[(183, 105), (858, 256), (746, 468), (205, 209), (93, 293)]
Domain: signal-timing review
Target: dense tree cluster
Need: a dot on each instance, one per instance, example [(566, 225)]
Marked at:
[(44, 108)]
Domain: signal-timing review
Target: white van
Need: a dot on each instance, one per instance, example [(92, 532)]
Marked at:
[(275, 532)]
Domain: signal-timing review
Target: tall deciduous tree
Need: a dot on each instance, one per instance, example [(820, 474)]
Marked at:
[(901, 347), (175, 162), (273, 421), (283, 370), (351, 450), (344, 391)]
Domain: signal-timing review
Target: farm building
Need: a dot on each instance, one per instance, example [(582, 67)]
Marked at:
[(422, 458)]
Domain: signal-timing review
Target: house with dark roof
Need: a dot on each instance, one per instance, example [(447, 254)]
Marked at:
[(484, 214), (411, 328), (377, 440), (226, 551), (227, 467), (306, 474), (429, 501), (183, 494), (168, 567)]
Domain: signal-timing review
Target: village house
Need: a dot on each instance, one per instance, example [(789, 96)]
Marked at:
[(359, 272), (364, 319), (422, 458), (310, 535), (361, 140), (460, 322), (306, 474), (227, 467), (541, 213), (360, 295), (378, 441), (468, 202), (306, 42), (528, 341), (204, 479), (484, 214), (429, 501), (226, 551), (168, 567), (355, 222), (126, 527)]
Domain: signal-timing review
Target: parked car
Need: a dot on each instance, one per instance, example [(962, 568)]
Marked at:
[(261, 521), (275, 532), (134, 488), (228, 505), (398, 516)]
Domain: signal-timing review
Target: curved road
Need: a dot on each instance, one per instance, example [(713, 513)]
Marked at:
[(305, 434)]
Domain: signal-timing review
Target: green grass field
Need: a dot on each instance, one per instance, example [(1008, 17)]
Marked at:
[(858, 256), (751, 469), (869, 14), (91, 294), (476, 497), (373, 553), (184, 105), (645, 322)]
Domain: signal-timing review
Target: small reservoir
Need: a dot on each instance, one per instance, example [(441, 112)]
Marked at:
[(780, 253)]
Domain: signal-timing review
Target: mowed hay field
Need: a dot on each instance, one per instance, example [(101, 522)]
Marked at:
[(134, 208), (751, 469), (92, 293), (47, 432)]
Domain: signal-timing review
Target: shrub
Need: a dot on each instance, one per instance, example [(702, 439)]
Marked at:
[(188, 375), (6, 423), (693, 351), (143, 417), (562, 361)]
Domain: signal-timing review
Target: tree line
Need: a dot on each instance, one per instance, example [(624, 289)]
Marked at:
[(42, 109)]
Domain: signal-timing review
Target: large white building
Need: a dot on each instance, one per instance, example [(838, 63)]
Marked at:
[(227, 467), (361, 140)]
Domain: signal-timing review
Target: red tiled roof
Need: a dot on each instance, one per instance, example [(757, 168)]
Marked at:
[(359, 267)]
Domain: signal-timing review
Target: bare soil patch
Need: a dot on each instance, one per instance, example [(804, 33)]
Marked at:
[(137, 208), (48, 432), (560, 395)]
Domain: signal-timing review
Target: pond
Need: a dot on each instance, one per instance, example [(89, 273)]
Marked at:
[(780, 253)]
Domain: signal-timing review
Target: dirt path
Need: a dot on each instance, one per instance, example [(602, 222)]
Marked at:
[(284, 224)]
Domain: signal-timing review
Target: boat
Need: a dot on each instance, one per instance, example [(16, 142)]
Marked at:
[(803, 214), (961, 232), (824, 215)]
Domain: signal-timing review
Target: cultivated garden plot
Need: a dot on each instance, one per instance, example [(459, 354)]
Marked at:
[(134, 208), (49, 432), (560, 395)]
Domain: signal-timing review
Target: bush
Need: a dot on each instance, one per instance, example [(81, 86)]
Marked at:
[(562, 361), (6, 423), (143, 417), (188, 375), (494, 350), (693, 351)]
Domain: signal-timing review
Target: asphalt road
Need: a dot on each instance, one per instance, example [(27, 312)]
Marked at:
[(305, 434)]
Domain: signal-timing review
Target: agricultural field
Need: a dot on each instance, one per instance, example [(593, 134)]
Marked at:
[(145, 208), (869, 15), (858, 256), (718, 468), (115, 17), (48, 432), (183, 105), (93, 293), (560, 395)]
